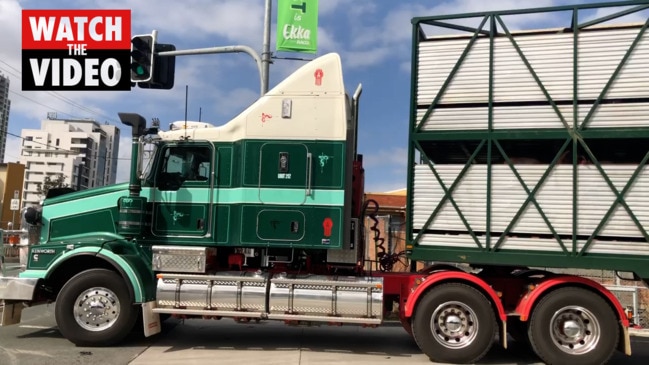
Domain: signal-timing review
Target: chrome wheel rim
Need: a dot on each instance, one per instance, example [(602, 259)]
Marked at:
[(96, 309), (575, 330), (454, 325)]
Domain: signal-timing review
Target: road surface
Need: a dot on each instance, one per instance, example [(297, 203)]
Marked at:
[(37, 341)]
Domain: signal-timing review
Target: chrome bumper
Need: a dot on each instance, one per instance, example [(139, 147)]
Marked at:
[(12, 288)]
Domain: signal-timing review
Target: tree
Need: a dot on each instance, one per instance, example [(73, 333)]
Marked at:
[(51, 183)]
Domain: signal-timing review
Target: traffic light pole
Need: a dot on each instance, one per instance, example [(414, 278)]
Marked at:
[(263, 62), (265, 52), (227, 49)]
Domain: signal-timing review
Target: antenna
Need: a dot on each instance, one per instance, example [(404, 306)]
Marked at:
[(186, 96), (200, 113)]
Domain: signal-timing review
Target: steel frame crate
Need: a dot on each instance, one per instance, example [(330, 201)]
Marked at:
[(530, 147)]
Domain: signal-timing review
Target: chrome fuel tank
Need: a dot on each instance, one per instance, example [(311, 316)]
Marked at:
[(318, 297), (231, 291)]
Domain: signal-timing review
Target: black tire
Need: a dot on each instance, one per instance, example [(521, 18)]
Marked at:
[(111, 317), (466, 307), (588, 316)]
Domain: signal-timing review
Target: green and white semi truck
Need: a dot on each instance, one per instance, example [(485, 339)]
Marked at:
[(527, 150)]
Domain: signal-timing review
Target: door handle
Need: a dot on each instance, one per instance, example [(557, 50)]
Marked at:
[(309, 175)]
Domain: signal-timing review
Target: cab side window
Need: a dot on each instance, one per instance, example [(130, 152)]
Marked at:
[(183, 165)]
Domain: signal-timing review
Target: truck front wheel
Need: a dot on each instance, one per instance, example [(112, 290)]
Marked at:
[(573, 326), (94, 309), (454, 323)]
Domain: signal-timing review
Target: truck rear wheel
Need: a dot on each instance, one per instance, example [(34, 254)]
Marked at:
[(454, 323), (94, 309), (573, 326)]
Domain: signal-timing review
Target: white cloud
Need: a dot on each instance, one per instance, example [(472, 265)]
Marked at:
[(364, 58), (240, 21), (12, 149), (395, 156), (385, 169), (326, 7), (327, 41), (373, 42), (234, 102), (405, 66), (638, 17)]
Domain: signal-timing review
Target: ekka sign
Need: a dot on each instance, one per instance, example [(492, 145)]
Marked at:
[(76, 49)]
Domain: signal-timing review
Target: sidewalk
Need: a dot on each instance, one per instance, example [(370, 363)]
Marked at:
[(274, 343), (195, 342)]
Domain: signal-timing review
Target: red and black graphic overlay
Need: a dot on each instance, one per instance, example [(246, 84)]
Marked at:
[(76, 49)]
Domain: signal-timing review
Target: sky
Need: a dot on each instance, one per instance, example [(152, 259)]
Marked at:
[(372, 37)]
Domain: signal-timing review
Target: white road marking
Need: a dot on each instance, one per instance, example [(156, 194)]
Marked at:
[(35, 327)]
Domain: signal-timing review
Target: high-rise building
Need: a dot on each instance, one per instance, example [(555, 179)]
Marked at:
[(83, 151), (5, 105)]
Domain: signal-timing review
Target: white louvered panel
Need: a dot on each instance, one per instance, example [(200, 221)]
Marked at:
[(551, 58), (535, 244), (616, 247), (616, 115), (526, 117), (455, 119), (600, 53), (468, 191), (554, 197), (425, 186), (595, 197), (436, 61), (508, 194), (442, 240), (521, 117), (531, 244)]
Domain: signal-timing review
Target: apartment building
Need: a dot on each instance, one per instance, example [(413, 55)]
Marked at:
[(5, 105), (84, 151)]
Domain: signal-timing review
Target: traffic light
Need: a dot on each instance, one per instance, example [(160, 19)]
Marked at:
[(142, 58), (165, 68)]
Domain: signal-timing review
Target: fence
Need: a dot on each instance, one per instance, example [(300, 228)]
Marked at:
[(629, 297)]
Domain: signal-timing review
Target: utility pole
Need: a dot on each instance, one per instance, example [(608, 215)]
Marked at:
[(265, 52)]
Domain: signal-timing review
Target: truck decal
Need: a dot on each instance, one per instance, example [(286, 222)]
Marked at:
[(251, 196)]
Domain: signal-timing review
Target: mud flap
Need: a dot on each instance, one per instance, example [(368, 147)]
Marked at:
[(150, 319), (11, 313), (503, 334), (624, 345)]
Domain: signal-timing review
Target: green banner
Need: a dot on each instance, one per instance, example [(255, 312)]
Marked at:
[(297, 25)]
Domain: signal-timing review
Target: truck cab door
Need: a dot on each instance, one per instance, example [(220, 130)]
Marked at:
[(284, 173), (183, 196)]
